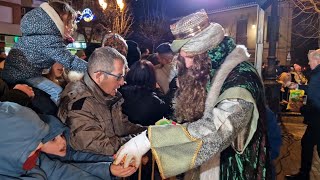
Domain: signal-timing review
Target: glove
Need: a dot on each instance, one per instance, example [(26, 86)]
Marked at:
[(165, 121), (133, 150)]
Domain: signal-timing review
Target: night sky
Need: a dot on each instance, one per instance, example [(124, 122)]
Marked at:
[(174, 9), (178, 8)]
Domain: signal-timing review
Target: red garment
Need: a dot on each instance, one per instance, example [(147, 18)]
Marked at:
[(31, 161)]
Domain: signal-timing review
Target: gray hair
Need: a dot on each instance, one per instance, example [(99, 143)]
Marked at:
[(102, 59), (314, 54)]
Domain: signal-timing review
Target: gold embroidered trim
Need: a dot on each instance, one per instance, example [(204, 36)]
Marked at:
[(154, 152), (197, 149)]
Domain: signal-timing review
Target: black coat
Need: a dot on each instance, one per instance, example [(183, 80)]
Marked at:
[(311, 110), (40, 103), (13, 95), (143, 106)]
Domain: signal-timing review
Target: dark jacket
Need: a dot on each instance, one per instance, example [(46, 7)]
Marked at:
[(21, 132), (95, 164), (274, 134), (40, 103), (95, 119), (56, 127), (40, 46), (143, 106), (312, 108), (13, 95)]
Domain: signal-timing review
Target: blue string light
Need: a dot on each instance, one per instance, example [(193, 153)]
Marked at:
[(86, 15)]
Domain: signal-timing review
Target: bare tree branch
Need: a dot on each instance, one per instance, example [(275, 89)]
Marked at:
[(112, 19), (306, 20), (154, 26)]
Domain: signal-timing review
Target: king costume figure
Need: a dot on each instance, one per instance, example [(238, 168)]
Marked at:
[(220, 105)]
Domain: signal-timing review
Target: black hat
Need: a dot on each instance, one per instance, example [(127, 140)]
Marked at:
[(164, 48)]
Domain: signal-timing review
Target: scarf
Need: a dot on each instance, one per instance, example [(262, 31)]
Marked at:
[(31, 161), (218, 55)]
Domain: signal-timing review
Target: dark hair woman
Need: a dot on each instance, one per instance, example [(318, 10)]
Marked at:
[(142, 104)]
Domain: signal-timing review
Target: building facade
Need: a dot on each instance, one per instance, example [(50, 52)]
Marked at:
[(11, 12), (10, 16), (240, 22)]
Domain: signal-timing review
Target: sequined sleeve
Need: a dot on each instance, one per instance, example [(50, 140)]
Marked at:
[(232, 120), (230, 117)]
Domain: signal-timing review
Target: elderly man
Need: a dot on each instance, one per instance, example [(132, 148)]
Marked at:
[(92, 107), (310, 112), (224, 128)]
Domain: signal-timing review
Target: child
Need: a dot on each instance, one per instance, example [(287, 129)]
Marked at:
[(56, 145), (57, 74), (44, 31), (21, 133)]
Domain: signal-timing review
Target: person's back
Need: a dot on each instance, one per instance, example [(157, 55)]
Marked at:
[(142, 104), (134, 53)]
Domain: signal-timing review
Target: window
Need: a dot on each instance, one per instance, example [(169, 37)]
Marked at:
[(241, 35)]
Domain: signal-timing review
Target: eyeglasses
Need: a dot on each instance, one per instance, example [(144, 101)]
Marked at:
[(118, 77)]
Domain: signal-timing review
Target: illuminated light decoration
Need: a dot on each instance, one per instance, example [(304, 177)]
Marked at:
[(103, 4), (86, 15), (120, 4), (16, 39)]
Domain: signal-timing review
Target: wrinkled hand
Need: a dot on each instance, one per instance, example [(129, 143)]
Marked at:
[(133, 150), (26, 89), (120, 171)]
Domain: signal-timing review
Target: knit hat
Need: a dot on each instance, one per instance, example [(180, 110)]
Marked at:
[(194, 33), (115, 41)]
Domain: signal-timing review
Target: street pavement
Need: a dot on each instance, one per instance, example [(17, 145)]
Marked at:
[(289, 160)]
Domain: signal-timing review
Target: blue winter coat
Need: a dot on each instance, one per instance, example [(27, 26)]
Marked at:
[(40, 46), (21, 131), (274, 134), (56, 127)]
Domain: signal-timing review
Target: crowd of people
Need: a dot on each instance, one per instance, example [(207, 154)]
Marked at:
[(93, 115)]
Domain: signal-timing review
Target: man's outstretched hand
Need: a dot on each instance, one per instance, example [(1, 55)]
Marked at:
[(132, 152)]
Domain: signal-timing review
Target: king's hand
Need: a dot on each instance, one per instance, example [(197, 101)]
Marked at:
[(133, 150)]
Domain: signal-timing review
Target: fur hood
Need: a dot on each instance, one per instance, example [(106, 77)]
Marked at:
[(74, 76), (211, 168)]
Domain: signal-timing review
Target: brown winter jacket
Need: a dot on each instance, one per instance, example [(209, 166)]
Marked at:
[(96, 121)]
